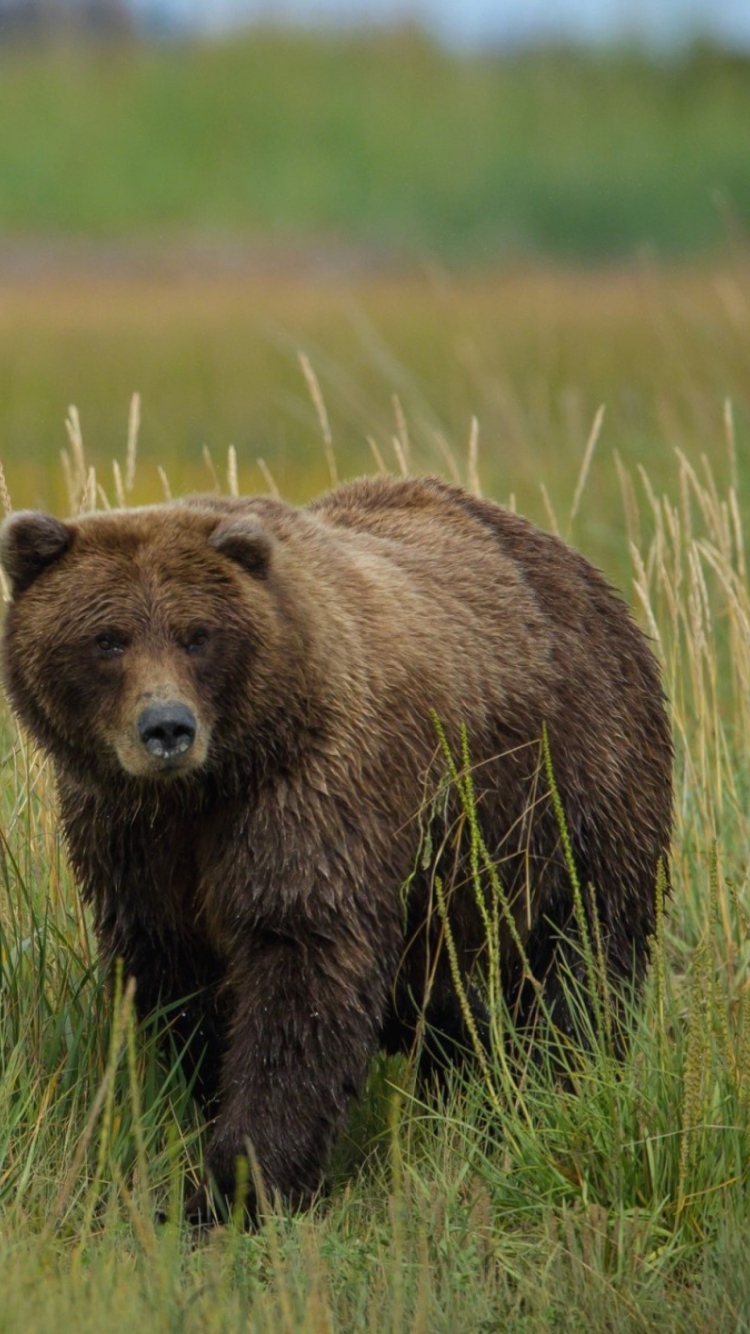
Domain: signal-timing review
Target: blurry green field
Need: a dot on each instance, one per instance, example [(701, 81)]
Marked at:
[(384, 141)]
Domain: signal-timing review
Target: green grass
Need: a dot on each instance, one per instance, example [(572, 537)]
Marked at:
[(384, 141), (620, 1204)]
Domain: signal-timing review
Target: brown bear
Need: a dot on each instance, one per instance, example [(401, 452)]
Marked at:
[(240, 699)]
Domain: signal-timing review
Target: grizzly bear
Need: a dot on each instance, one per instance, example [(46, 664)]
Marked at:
[(249, 709)]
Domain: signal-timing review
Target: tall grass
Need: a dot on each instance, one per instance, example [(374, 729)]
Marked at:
[(531, 356), (618, 1202)]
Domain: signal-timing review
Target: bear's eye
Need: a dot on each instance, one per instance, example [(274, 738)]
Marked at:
[(109, 647), (197, 641)]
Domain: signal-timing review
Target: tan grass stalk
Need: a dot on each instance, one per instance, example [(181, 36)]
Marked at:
[(268, 478), (233, 486), (588, 455), (7, 503), (131, 450), (209, 462), (313, 385), (87, 502), (401, 443), (70, 485), (75, 436), (119, 487), (696, 1070), (164, 481), (549, 510), (401, 459), (376, 454), (472, 465), (448, 456)]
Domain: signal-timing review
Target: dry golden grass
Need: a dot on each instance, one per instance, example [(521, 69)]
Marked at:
[(531, 356)]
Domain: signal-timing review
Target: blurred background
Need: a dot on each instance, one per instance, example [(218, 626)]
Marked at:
[(513, 212)]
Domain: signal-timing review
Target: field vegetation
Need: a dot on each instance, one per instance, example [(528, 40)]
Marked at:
[(618, 1204), (316, 257), (387, 142), (531, 355)]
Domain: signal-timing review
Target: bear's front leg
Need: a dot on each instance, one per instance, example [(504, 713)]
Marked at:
[(307, 1014)]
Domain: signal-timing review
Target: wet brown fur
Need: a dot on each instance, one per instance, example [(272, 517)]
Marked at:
[(265, 879)]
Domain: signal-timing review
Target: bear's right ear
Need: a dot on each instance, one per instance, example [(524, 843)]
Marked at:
[(243, 539), (29, 542)]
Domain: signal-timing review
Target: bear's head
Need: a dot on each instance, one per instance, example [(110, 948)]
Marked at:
[(145, 642)]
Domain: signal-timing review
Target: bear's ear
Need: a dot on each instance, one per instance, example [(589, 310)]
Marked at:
[(243, 540), (29, 542)]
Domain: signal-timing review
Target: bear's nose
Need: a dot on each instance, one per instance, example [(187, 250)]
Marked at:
[(167, 730)]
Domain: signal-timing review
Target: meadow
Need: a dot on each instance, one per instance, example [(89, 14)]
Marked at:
[(531, 354), (381, 141), (620, 1203), (314, 257)]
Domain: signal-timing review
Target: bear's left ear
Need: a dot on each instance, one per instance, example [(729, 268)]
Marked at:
[(29, 542), (243, 540)]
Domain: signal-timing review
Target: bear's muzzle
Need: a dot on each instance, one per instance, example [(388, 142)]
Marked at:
[(167, 731)]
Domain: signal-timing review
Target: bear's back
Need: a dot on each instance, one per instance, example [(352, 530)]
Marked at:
[(553, 640), (461, 538)]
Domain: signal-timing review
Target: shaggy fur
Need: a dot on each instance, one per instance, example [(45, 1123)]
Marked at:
[(260, 869)]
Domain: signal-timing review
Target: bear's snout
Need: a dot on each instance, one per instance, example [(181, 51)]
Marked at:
[(167, 731)]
